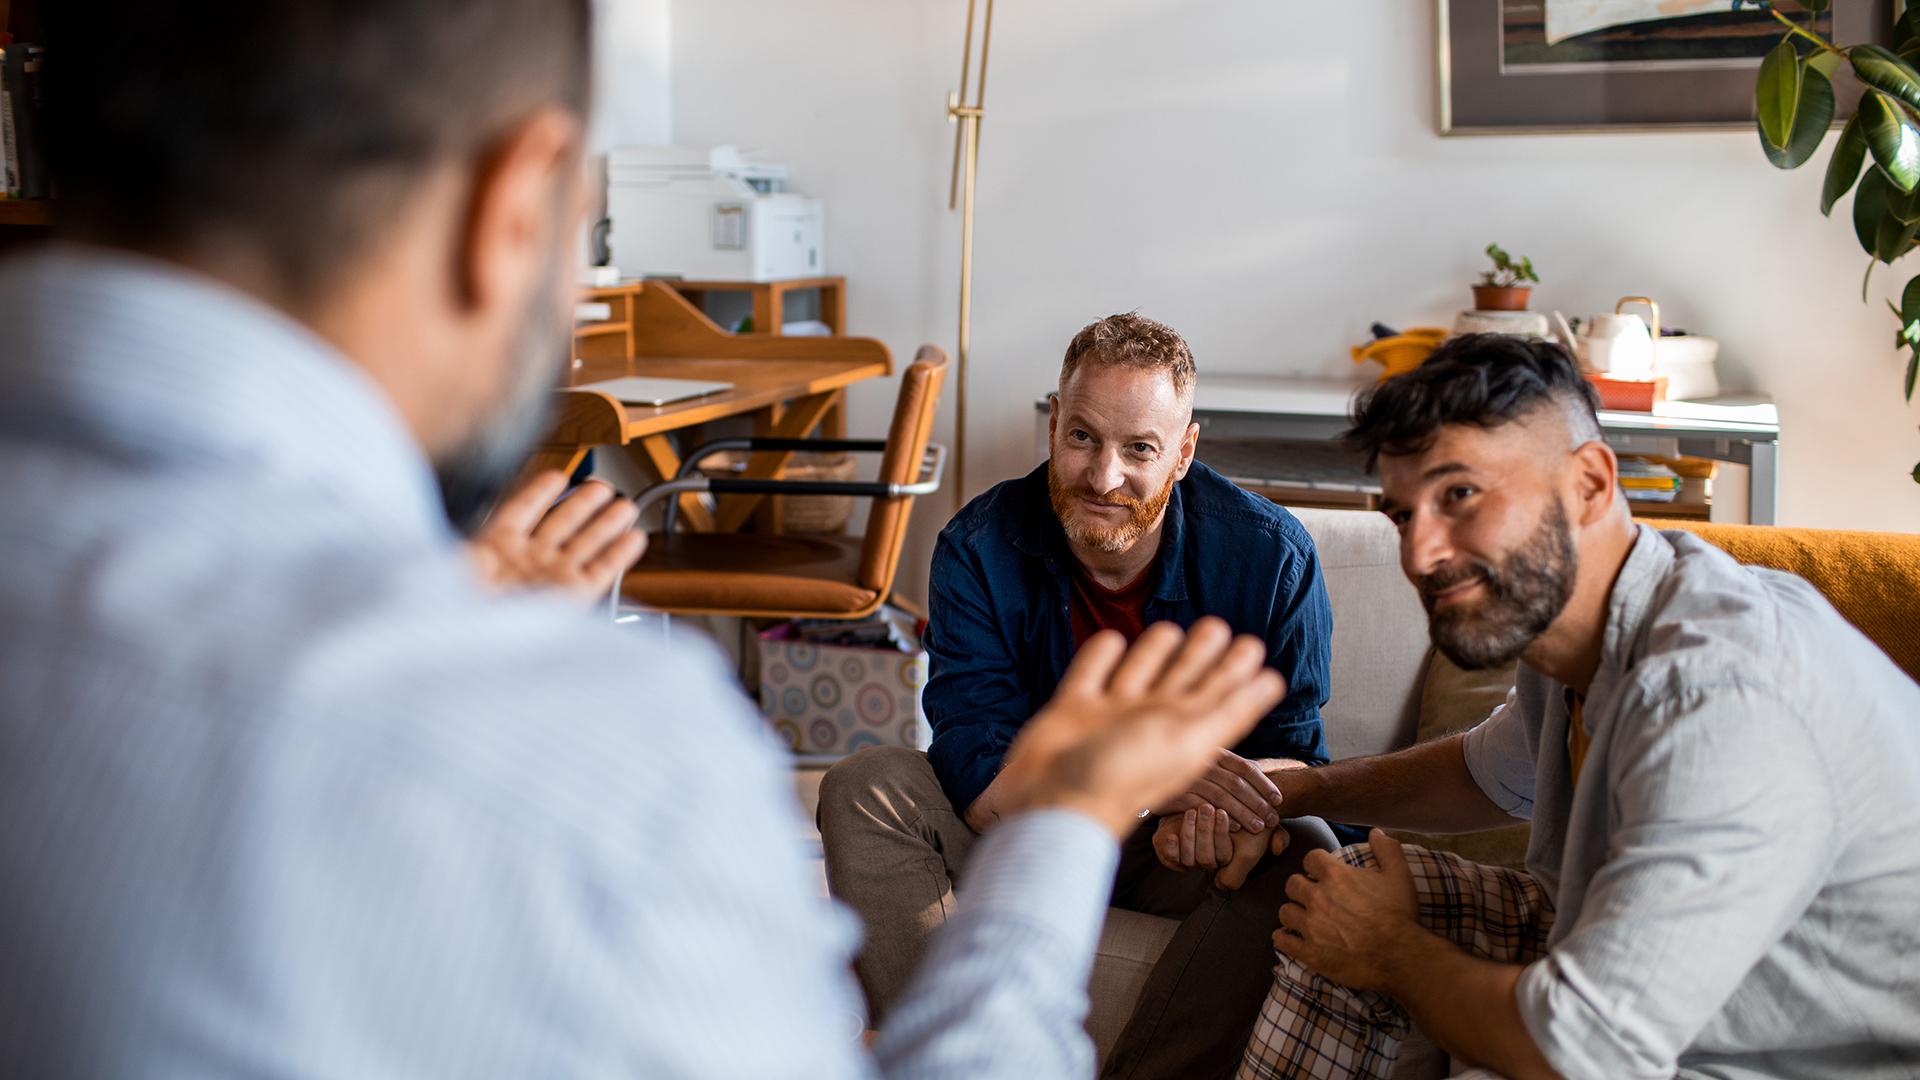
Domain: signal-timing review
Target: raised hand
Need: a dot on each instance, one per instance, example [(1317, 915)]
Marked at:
[(578, 545), (1133, 727)]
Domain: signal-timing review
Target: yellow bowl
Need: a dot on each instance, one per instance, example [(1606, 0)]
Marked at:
[(1401, 353)]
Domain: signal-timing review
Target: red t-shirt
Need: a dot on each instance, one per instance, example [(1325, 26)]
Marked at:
[(1093, 607)]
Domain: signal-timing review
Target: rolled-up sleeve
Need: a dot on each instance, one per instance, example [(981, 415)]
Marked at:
[(1501, 758), (1726, 817)]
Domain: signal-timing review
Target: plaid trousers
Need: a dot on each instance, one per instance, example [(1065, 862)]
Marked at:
[(1310, 1027)]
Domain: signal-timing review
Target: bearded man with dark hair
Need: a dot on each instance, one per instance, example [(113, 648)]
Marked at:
[(1722, 775)]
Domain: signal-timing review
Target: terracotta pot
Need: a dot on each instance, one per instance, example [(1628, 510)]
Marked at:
[(1495, 298)]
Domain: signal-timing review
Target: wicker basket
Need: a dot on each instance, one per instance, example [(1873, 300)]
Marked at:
[(801, 513)]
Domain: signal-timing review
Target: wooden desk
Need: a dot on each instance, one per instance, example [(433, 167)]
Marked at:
[(611, 337), (787, 385), (770, 298)]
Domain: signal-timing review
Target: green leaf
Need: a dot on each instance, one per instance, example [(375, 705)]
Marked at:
[(1810, 123), (1894, 237), (1893, 138), (1906, 29), (1777, 94), (1885, 71), (1910, 303), (1817, 6), (1869, 207), (1905, 206), (1916, 474), (1844, 167), (1913, 368), (1826, 63)]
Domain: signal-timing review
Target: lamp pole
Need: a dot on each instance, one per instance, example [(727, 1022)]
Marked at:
[(960, 194)]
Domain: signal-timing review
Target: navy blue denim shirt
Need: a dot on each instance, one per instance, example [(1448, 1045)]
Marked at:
[(999, 635)]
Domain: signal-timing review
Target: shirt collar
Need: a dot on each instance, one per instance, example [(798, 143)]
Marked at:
[(1041, 537), (143, 359), (1648, 563)]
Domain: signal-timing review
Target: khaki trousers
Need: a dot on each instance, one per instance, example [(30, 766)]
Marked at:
[(895, 849)]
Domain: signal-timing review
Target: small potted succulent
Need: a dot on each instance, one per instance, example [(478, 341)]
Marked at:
[(1504, 288)]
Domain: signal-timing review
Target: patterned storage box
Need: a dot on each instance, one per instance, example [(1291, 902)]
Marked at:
[(830, 700)]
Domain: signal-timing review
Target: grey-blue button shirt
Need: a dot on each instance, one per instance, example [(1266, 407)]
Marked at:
[(284, 793), (1737, 872)]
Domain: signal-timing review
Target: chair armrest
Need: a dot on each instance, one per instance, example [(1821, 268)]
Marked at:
[(933, 470), (708, 449)]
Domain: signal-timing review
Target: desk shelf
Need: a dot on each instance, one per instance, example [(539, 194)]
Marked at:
[(1278, 436), (769, 298)]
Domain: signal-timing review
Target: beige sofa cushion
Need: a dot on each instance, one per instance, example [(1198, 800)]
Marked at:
[(1451, 700), (1130, 943), (1379, 632)]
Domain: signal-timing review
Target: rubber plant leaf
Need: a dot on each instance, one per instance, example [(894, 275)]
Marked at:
[(1892, 137), (1885, 71), (1869, 206), (1810, 123), (1844, 167), (1777, 94)]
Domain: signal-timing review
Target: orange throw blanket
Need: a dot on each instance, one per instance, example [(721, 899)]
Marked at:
[(1873, 579)]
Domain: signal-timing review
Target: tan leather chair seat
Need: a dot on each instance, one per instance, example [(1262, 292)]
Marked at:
[(703, 572)]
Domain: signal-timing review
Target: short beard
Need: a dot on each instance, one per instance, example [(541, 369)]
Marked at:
[(1143, 514), (1524, 595), (474, 474)]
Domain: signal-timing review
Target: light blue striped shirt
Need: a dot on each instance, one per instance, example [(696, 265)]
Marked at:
[(284, 792)]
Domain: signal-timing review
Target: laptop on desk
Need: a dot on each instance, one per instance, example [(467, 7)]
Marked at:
[(646, 390)]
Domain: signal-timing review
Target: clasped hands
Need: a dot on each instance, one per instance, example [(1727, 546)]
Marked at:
[(1343, 922), (1226, 822)]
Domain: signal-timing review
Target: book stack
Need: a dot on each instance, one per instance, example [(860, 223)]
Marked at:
[(22, 126), (1648, 481)]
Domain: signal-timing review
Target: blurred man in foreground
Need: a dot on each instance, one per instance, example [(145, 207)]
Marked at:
[(289, 790)]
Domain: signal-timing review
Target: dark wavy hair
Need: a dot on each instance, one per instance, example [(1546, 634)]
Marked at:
[(1486, 380)]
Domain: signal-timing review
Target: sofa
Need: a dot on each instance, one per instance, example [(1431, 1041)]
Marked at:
[(1380, 652), (1390, 690)]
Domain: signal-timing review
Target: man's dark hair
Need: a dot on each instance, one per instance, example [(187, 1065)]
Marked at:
[(1481, 379), (294, 127)]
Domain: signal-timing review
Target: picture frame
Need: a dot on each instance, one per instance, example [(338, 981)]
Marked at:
[(1498, 75)]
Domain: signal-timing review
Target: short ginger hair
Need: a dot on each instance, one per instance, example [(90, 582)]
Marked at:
[(1132, 340)]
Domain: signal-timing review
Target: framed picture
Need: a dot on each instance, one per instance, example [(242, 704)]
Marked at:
[(1519, 66)]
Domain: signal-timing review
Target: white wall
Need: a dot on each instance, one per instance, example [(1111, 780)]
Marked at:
[(633, 51), (1265, 175)]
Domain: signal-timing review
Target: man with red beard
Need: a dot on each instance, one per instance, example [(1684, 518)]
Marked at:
[(1120, 529)]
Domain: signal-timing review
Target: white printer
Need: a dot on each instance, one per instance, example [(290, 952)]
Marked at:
[(710, 213)]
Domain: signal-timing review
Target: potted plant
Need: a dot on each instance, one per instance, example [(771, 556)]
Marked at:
[(1794, 109), (1503, 288)]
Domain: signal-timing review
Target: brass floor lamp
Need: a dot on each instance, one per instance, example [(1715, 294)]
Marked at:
[(966, 166)]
